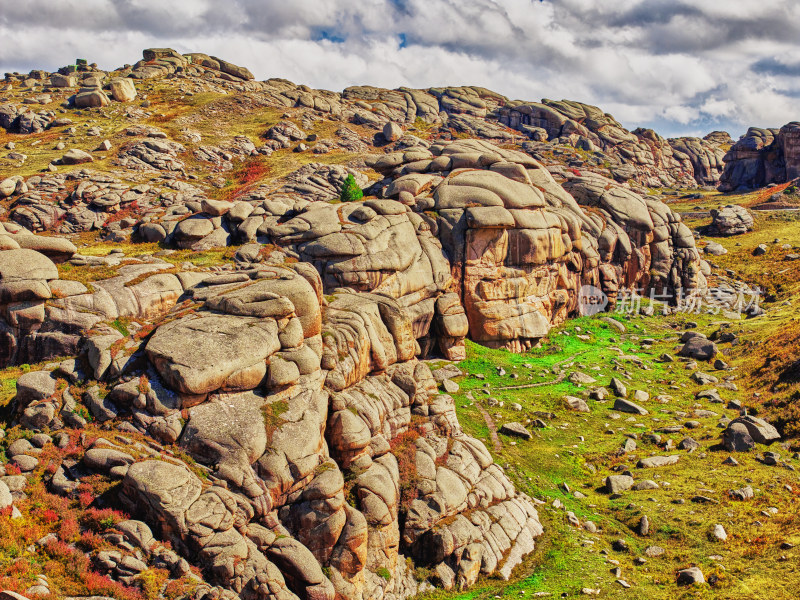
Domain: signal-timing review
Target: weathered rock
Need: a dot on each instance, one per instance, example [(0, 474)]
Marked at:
[(91, 98), (55, 248), (230, 434), (652, 462), (576, 404), (718, 533), (643, 527), (690, 576), (715, 249), (654, 551), (581, 378), (745, 493), (5, 496), (108, 460), (730, 220), (618, 387), (99, 406), (514, 429), (761, 157), (703, 378), (645, 484), (202, 353), (618, 483), (76, 157), (122, 89), (699, 348), (736, 438), (627, 406), (392, 132), (761, 431), (35, 386)]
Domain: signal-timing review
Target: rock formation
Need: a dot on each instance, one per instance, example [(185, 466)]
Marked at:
[(761, 157), (730, 220), (641, 155), (272, 420), (307, 410)]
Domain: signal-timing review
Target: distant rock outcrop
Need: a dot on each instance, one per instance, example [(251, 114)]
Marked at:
[(761, 157), (641, 155)]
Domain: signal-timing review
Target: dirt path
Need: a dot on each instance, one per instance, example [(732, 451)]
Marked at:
[(525, 386), (492, 428), (558, 379)]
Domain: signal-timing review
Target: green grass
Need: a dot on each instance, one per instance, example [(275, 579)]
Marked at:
[(121, 324), (580, 449)]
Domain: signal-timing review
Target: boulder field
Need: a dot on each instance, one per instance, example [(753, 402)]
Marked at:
[(274, 422), (331, 456)]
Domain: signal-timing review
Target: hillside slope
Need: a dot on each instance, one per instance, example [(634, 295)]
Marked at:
[(223, 381)]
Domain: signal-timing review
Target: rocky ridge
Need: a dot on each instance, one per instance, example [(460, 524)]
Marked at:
[(762, 157), (320, 461)]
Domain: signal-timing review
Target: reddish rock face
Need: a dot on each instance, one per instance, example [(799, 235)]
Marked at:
[(761, 157), (520, 246), (790, 142), (510, 255)]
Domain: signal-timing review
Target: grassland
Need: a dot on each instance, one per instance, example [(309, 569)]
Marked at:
[(576, 451)]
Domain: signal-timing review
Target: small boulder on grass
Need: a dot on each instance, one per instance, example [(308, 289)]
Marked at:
[(690, 576), (698, 348), (76, 157), (450, 386), (515, 429), (618, 483), (576, 404)]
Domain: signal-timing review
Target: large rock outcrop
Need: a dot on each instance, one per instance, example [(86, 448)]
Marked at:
[(641, 155), (520, 246), (27, 277), (309, 412), (761, 157)]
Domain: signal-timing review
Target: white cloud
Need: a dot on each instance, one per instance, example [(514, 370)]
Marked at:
[(681, 114), (683, 66)]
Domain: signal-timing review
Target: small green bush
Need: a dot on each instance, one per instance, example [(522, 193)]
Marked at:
[(121, 325), (350, 190)]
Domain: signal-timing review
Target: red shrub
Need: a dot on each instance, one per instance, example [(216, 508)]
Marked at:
[(404, 449), (100, 585), (131, 210), (89, 541), (66, 554), (253, 171), (100, 519), (85, 498), (49, 516), (69, 529), (19, 569), (250, 172), (767, 193)]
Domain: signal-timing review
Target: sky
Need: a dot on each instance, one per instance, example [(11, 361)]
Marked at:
[(682, 68)]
